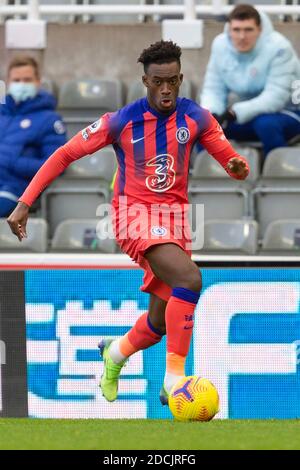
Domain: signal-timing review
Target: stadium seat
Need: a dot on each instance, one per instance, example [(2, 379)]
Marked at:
[(277, 193), (230, 236), (48, 85), (205, 166), (282, 163), (283, 236), (138, 90), (83, 101), (101, 164), (223, 197), (83, 235), (221, 201), (72, 199), (36, 240)]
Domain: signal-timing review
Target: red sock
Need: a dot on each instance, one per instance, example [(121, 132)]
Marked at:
[(180, 320), (141, 336)]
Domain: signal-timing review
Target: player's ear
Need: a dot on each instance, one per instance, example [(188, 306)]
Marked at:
[(181, 78), (145, 81)]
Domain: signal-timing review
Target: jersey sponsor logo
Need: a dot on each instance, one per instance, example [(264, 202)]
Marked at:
[(59, 127), (159, 231), (25, 123), (164, 174), (183, 135), (93, 128)]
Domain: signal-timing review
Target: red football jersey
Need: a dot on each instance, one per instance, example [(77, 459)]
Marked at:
[(153, 151)]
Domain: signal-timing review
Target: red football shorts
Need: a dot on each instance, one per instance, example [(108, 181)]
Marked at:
[(136, 235)]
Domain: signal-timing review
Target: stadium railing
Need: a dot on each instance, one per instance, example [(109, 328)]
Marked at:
[(188, 9)]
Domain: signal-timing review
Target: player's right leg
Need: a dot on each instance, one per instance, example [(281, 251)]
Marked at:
[(174, 267), (147, 331)]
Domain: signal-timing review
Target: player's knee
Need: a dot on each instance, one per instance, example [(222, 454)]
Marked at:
[(195, 282), (191, 280)]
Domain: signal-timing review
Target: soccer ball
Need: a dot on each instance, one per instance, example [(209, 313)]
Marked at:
[(194, 399)]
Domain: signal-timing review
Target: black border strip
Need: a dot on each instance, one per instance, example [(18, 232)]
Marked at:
[(13, 333)]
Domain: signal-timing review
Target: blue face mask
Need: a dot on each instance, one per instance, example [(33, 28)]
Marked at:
[(21, 91)]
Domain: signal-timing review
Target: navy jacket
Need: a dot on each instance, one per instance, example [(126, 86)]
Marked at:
[(29, 133)]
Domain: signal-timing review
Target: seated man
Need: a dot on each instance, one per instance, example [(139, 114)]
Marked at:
[(259, 66), (30, 131)]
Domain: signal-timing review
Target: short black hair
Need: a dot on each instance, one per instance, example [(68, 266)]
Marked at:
[(245, 12), (161, 52)]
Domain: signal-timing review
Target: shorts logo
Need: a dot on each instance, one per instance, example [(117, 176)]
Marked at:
[(93, 128), (182, 135), (164, 174), (159, 231)]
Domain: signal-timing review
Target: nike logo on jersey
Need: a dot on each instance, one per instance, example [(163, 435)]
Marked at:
[(134, 141)]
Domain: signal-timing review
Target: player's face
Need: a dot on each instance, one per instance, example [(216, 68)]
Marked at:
[(163, 82), (244, 34)]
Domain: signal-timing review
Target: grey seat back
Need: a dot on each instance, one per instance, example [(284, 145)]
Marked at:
[(83, 101), (230, 235), (73, 199), (282, 235), (282, 163), (92, 94), (36, 241), (205, 166), (84, 235), (101, 164)]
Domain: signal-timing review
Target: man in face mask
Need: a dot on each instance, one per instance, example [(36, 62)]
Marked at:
[(30, 130)]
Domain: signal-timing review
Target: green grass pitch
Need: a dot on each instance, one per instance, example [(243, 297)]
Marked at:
[(148, 434)]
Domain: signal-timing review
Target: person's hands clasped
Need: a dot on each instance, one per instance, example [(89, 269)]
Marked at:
[(226, 118)]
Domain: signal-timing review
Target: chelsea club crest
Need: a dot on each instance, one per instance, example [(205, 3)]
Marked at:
[(182, 135)]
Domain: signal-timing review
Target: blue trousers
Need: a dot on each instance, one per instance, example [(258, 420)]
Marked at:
[(8, 200), (6, 206), (272, 130)]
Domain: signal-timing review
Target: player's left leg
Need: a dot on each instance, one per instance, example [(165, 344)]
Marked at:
[(147, 331)]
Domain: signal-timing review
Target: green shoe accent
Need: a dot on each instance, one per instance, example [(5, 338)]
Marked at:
[(111, 372)]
